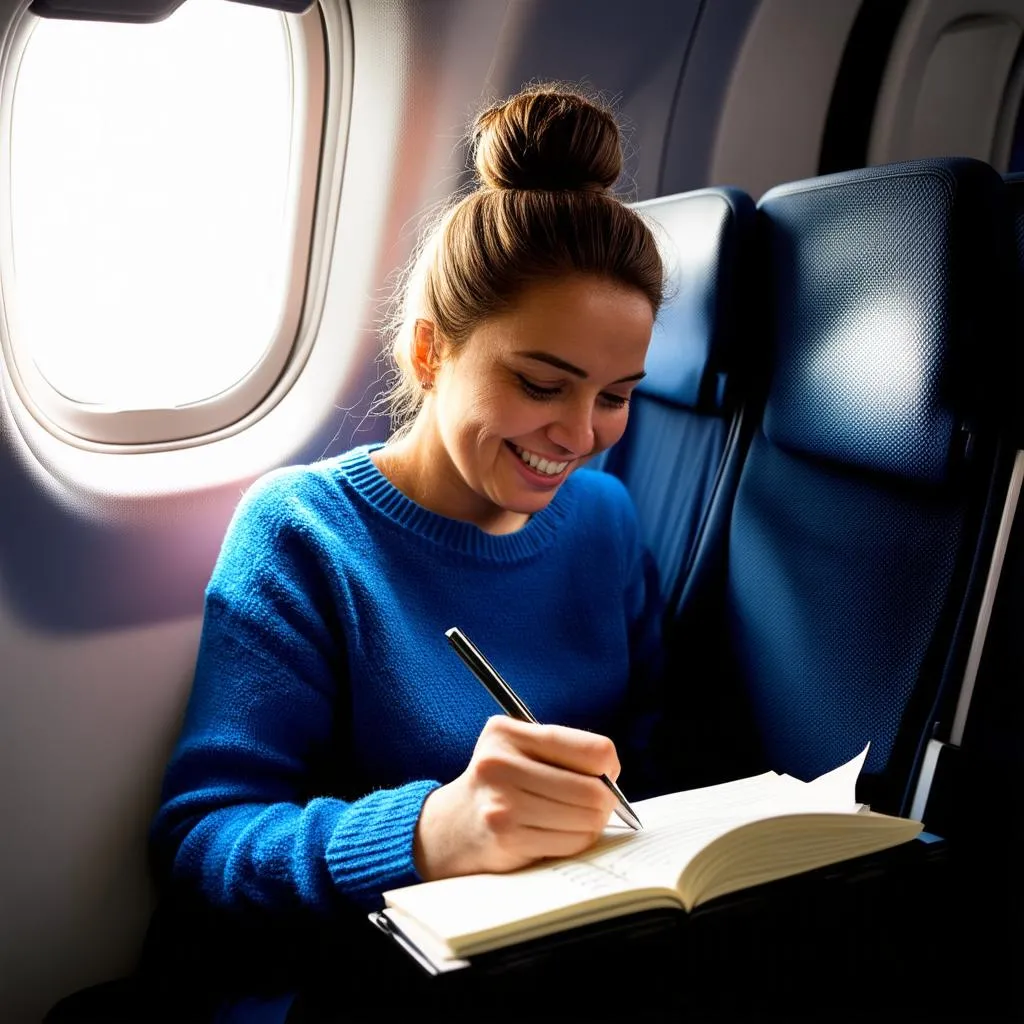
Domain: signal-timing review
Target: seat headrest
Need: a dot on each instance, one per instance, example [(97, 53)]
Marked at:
[(890, 295), (704, 236)]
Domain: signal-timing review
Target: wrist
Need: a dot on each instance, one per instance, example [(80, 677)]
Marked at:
[(426, 856)]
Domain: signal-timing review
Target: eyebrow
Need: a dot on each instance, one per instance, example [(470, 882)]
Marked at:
[(561, 364)]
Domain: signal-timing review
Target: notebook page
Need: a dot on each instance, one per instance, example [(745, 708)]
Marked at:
[(678, 826), (475, 904)]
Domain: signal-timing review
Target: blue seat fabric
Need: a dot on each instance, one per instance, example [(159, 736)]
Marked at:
[(839, 586), (683, 414)]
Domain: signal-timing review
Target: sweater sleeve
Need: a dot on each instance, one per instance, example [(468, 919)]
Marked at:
[(240, 822)]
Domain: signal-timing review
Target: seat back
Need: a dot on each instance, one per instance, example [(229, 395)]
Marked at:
[(847, 573), (985, 763), (989, 719), (974, 785), (683, 413)]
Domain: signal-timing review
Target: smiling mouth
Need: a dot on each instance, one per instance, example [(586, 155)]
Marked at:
[(538, 463)]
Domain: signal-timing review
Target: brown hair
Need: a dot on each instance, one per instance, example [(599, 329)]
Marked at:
[(546, 159)]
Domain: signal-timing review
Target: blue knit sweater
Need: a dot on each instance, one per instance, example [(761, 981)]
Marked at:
[(327, 704)]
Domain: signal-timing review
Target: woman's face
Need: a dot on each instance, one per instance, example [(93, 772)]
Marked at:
[(534, 392)]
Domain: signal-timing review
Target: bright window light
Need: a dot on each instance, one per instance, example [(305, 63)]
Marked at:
[(149, 193)]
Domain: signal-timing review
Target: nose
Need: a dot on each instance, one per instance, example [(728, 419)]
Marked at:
[(573, 429)]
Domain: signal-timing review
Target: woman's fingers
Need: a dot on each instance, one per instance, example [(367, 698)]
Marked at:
[(529, 792), (509, 770), (544, 778), (576, 750), (514, 808)]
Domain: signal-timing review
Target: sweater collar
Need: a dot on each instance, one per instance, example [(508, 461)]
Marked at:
[(373, 486)]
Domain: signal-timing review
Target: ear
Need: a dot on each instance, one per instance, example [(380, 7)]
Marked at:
[(427, 350)]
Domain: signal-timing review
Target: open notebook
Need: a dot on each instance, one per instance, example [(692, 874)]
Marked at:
[(696, 845)]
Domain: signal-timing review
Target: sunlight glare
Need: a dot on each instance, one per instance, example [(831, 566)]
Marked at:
[(150, 177)]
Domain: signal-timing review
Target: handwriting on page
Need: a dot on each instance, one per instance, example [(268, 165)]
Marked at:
[(597, 881), (654, 856), (676, 827), (680, 825)]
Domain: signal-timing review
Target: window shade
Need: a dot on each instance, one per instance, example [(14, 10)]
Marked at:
[(141, 11)]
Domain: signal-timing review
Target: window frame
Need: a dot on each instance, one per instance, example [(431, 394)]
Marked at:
[(318, 40)]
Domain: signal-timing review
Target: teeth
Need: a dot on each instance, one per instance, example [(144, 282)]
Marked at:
[(542, 465)]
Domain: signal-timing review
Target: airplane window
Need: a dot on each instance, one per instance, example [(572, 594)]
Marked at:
[(153, 198)]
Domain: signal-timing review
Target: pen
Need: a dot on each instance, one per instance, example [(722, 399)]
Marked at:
[(513, 706)]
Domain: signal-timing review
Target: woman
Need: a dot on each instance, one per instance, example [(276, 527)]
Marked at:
[(334, 747)]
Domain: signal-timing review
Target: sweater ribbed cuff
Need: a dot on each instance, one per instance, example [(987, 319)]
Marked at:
[(370, 850)]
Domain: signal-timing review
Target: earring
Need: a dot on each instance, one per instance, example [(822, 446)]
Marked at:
[(426, 385)]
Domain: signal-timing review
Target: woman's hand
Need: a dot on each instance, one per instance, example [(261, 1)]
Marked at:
[(529, 791)]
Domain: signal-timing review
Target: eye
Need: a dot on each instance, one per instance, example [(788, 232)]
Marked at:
[(537, 392), (613, 401)]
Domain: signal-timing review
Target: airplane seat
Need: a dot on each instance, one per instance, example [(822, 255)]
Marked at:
[(834, 598), (834, 594), (985, 736), (980, 775), (989, 715), (682, 415)]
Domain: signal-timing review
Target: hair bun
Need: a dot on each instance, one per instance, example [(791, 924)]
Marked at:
[(547, 137)]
